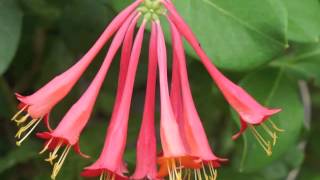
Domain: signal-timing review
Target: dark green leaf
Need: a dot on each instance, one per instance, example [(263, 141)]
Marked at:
[(10, 27), (237, 35), (18, 155), (303, 63)]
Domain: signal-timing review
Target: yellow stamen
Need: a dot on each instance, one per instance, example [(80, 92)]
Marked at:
[(199, 174), (273, 135), (189, 174), (104, 176), (46, 147), (213, 172), (275, 126), (264, 144), (25, 128), (18, 113), (195, 175), (22, 119), (205, 172), (53, 155), (34, 122), (176, 173), (57, 166)]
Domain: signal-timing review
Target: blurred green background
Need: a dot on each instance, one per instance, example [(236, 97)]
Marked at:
[(270, 47)]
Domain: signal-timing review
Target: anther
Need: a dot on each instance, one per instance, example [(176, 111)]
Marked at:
[(46, 147), (264, 144), (53, 155), (22, 119), (57, 166), (275, 126), (18, 113), (18, 143)]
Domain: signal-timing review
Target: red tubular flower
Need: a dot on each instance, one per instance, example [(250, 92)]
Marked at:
[(108, 165), (175, 155), (190, 122), (250, 111), (38, 105), (146, 166), (69, 129)]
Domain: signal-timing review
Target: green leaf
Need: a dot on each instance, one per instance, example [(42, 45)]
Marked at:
[(82, 22), (10, 27), (303, 62), (237, 35), (18, 155), (273, 89), (303, 17)]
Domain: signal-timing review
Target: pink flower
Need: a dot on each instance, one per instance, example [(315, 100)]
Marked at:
[(69, 129), (250, 111), (109, 164), (146, 146), (175, 155), (190, 123), (39, 105)]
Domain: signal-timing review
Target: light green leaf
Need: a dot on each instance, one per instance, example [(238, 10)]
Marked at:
[(273, 89), (10, 27), (237, 35), (303, 17)]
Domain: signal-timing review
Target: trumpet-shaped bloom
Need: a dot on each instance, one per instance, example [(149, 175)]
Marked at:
[(175, 155), (250, 111), (71, 126), (109, 164), (146, 166), (185, 146), (190, 123), (38, 105)]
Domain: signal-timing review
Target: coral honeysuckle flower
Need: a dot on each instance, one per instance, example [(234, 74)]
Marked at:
[(190, 123), (250, 111), (146, 166), (175, 156), (109, 164), (37, 106), (69, 129)]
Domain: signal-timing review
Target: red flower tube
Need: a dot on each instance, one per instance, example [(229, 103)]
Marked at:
[(175, 155), (109, 164), (250, 111), (146, 166), (38, 105), (69, 129), (190, 123)]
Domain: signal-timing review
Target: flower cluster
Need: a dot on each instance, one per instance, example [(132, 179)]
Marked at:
[(186, 152)]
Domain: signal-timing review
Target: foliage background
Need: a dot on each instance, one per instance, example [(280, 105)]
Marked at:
[(271, 47)]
